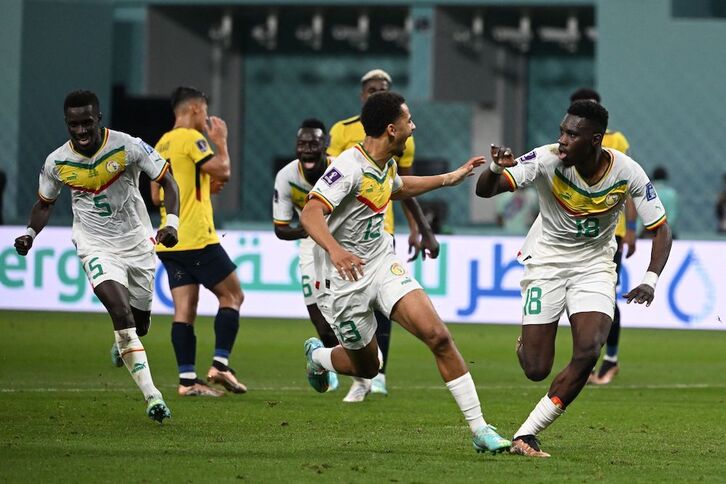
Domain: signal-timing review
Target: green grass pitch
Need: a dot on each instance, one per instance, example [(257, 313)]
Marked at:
[(67, 415)]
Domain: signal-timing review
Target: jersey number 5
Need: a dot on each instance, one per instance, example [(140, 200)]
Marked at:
[(105, 207)]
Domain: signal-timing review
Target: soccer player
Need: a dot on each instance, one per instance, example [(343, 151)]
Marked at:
[(625, 234), (292, 185), (357, 269), (346, 134), (199, 258), (111, 228), (568, 253)]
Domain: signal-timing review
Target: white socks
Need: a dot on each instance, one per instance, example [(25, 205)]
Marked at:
[(611, 359), (464, 393), (134, 357), (544, 413), (324, 358)]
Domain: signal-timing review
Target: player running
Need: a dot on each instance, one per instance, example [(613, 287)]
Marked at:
[(111, 228)]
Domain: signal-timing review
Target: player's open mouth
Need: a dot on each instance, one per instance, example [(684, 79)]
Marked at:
[(562, 154), (85, 141), (308, 164)]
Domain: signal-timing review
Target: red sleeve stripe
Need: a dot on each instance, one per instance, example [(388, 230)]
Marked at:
[(322, 199), (656, 224), (508, 176)]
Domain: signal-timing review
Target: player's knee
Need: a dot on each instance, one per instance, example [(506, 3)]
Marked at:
[(121, 316), (587, 357), (369, 370), (537, 372), (439, 340)]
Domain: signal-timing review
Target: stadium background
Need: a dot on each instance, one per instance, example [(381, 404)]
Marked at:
[(467, 69)]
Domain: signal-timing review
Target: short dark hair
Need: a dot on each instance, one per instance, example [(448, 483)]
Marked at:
[(79, 99), (314, 124), (584, 93), (593, 112), (380, 110), (185, 93), (660, 173)]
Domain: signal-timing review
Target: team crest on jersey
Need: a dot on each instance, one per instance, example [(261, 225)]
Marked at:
[(612, 199), (332, 176), (112, 166), (650, 192), (397, 269), (202, 145)]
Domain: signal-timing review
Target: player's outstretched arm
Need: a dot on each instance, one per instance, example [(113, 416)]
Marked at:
[(312, 218), (659, 253), (167, 235), (39, 216), (416, 185), (490, 181)]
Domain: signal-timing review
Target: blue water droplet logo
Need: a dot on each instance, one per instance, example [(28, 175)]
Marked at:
[(708, 294)]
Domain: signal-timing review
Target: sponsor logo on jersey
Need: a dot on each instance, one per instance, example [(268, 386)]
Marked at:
[(332, 176), (650, 192), (202, 145), (112, 166), (147, 148), (397, 269)]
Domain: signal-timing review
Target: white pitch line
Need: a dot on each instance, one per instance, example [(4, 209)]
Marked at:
[(667, 386)]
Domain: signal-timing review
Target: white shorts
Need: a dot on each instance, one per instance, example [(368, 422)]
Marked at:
[(550, 289), (307, 270), (348, 305), (135, 271)]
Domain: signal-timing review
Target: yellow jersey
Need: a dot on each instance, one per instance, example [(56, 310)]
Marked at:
[(186, 150), (348, 133), (617, 141)]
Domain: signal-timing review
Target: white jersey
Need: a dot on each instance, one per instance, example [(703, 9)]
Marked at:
[(291, 194), (357, 192), (577, 221), (108, 211)]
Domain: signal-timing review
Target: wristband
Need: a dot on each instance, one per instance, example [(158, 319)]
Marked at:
[(496, 168), (631, 225), (30, 231), (172, 221), (650, 279)]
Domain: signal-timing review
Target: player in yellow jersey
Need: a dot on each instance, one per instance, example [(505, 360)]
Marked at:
[(346, 134), (568, 253), (199, 259), (625, 234), (112, 232)]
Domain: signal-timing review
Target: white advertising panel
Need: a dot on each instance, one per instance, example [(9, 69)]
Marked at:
[(474, 280)]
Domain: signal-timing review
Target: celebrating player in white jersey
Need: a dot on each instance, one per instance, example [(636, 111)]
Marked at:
[(112, 232), (292, 185), (568, 253), (357, 269)]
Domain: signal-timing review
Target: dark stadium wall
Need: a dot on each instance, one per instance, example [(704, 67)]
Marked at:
[(56, 60), (10, 52), (662, 78)]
